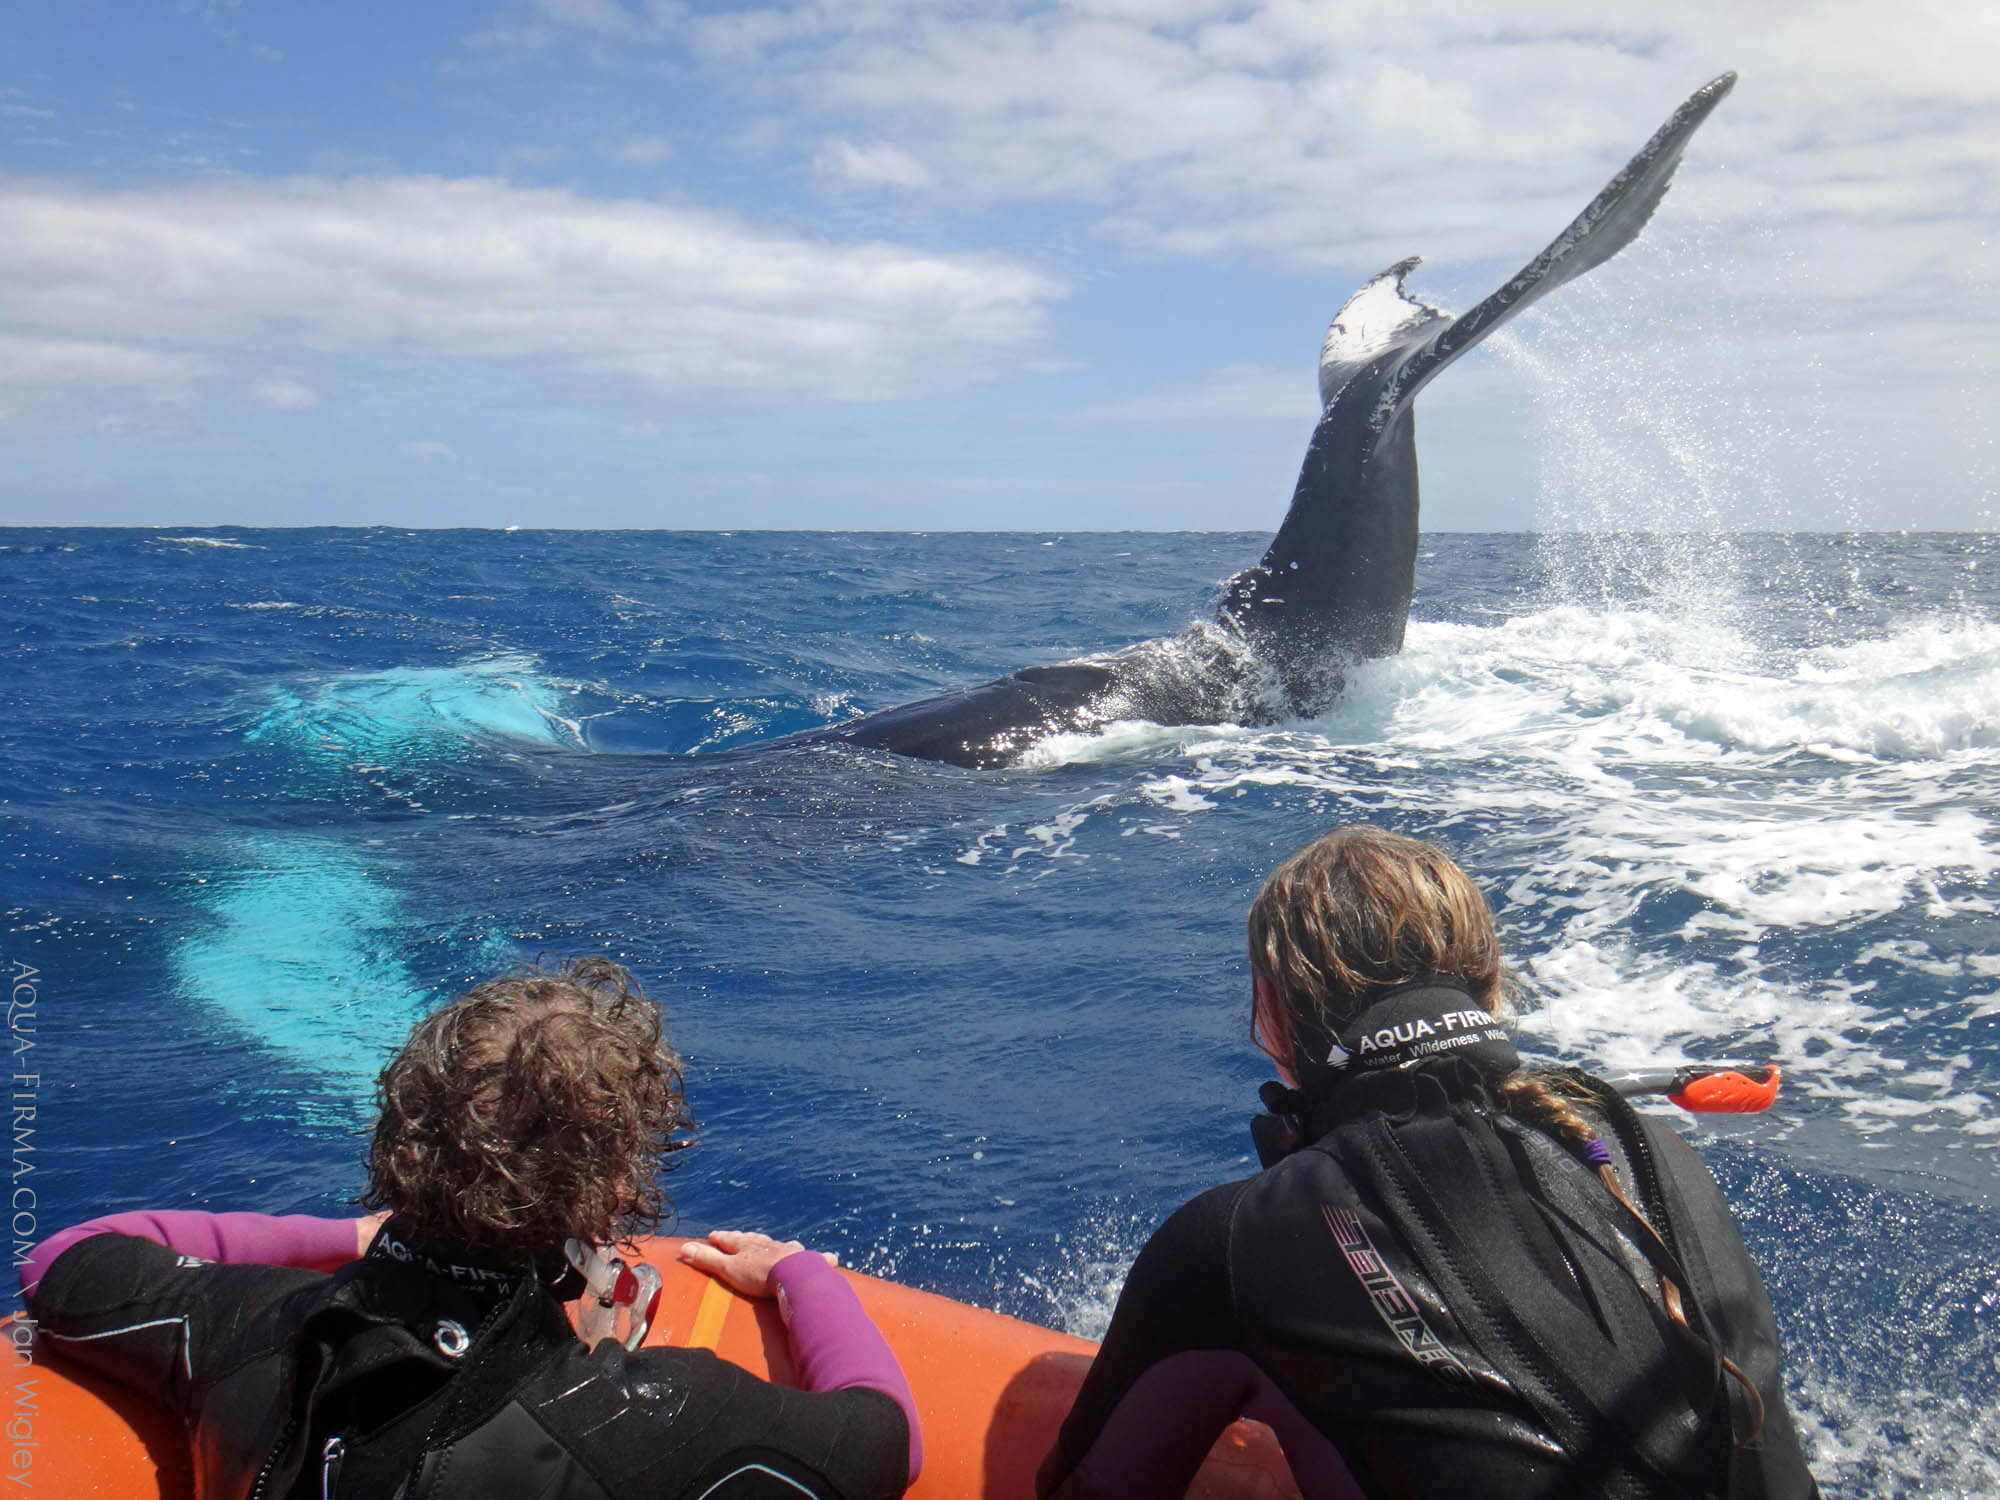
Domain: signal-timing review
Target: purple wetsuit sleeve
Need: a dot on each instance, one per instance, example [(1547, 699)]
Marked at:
[(293, 1240), (1171, 1374), (834, 1345), (1162, 1428)]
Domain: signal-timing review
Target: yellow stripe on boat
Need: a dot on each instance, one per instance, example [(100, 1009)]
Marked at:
[(715, 1304)]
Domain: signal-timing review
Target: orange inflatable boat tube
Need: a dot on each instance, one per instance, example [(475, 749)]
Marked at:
[(990, 1390)]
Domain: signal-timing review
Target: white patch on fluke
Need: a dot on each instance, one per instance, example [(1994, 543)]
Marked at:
[(1374, 320)]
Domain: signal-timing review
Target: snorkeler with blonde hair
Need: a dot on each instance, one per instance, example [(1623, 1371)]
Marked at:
[(1455, 1275), (522, 1130)]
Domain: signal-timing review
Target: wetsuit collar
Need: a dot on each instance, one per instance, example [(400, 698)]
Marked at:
[(1425, 1020), (1432, 1027), (481, 1274)]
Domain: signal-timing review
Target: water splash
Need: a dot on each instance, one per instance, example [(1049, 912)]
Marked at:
[(1663, 440), (1651, 794)]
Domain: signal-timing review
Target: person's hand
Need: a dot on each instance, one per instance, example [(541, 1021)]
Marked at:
[(740, 1259), (364, 1231)]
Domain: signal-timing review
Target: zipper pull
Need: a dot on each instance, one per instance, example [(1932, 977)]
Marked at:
[(330, 1466)]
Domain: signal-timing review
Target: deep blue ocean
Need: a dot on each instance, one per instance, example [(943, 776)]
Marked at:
[(266, 794)]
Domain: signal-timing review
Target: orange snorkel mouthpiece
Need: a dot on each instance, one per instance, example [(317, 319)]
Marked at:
[(1727, 1091), (1725, 1088)]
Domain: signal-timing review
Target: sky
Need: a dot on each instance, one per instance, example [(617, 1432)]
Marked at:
[(979, 265)]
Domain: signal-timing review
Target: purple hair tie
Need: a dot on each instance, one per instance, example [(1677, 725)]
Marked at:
[(1597, 1153)]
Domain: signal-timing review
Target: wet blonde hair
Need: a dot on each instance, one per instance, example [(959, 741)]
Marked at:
[(1359, 910)]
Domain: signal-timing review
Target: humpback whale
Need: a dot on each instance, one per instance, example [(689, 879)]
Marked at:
[(1334, 588)]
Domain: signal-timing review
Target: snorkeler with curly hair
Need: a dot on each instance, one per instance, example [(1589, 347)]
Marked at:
[(523, 1129)]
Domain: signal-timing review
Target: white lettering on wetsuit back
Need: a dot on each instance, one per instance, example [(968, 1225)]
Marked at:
[(1387, 1295)]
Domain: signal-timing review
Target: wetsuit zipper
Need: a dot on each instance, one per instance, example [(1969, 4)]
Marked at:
[(330, 1466), (271, 1459)]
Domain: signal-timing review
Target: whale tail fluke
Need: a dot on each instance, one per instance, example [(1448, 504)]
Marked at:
[(1335, 586), (1610, 223)]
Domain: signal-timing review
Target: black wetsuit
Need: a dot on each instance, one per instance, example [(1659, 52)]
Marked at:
[(1433, 1300), (361, 1385)]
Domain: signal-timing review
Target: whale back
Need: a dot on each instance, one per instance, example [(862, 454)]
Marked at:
[(989, 725)]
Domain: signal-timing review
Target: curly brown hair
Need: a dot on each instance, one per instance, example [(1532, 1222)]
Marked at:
[(536, 1107)]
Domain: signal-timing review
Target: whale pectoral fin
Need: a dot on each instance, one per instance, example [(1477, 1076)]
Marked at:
[(989, 725), (1611, 222)]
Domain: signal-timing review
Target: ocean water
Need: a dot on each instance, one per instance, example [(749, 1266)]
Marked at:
[(266, 794)]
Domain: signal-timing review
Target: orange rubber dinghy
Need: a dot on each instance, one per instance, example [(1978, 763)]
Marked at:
[(991, 1392)]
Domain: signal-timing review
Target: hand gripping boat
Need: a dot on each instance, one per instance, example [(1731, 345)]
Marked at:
[(991, 1392)]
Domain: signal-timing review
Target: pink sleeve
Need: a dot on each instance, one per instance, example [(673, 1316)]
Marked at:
[(294, 1240), (834, 1344)]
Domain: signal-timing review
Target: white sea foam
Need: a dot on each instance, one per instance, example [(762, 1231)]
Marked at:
[(1646, 766), (1122, 740), (1918, 1443), (1081, 1282), (208, 541)]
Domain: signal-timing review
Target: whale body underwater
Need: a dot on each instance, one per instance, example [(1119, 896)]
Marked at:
[(1334, 587)]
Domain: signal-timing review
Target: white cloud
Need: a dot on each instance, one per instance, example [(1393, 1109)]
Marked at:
[(62, 378), (52, 366), (1293, 129), (1852, 180), (1233, 394), (1449, 128), (875, 165), (430, 448), (529, 25), (533, 154), (286, 395), (148, 287), (1832, 228)]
